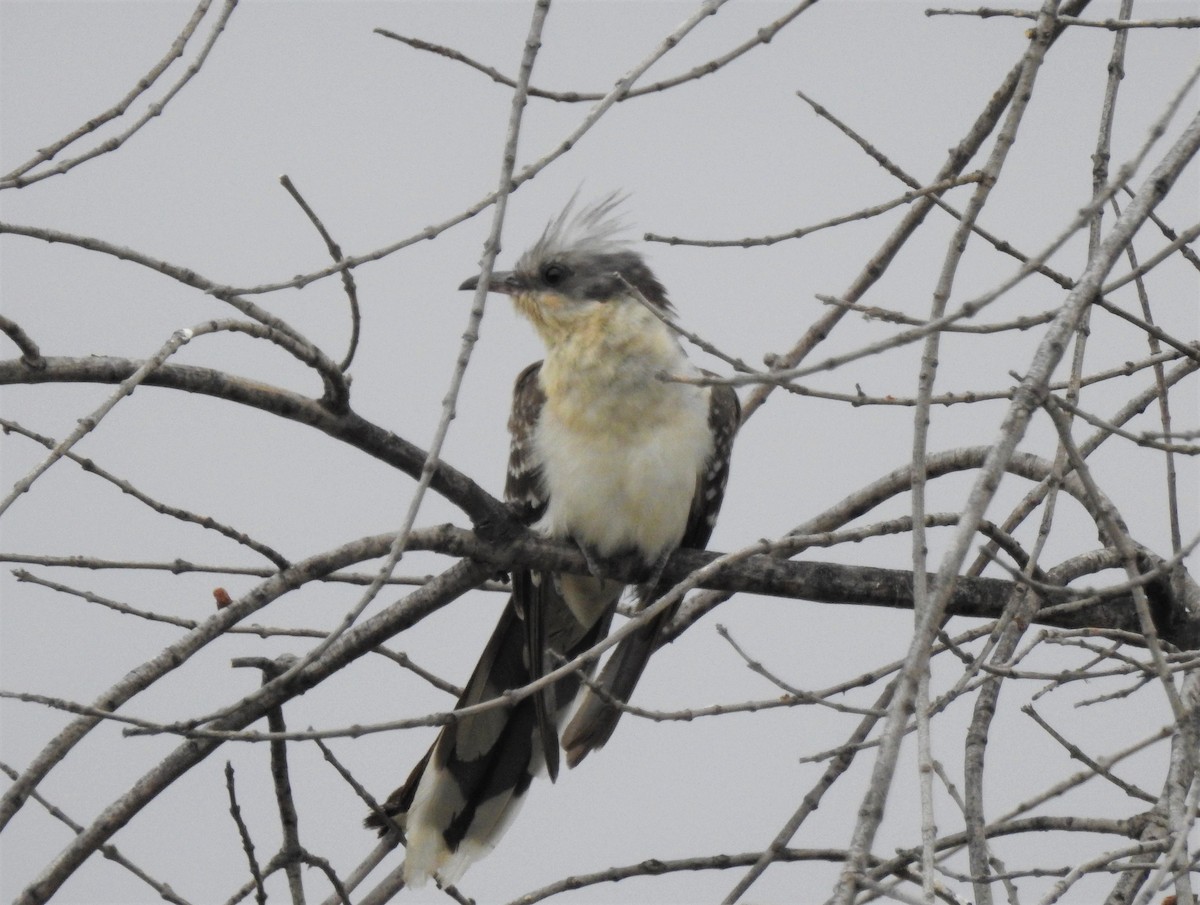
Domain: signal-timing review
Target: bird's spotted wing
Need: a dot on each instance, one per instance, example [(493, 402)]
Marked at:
[(724, 418), (523, 488)]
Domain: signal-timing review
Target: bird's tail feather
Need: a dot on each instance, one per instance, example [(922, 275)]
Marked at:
[(458, 801), (596, 718)]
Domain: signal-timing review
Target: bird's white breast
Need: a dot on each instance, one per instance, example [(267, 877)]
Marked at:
[(620, 449)]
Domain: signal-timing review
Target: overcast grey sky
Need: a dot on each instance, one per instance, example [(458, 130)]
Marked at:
[(383, 141)]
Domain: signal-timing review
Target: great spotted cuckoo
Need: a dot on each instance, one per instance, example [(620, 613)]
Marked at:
[(608, 454)]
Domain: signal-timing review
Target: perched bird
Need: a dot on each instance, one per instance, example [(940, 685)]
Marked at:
[(604, 453)]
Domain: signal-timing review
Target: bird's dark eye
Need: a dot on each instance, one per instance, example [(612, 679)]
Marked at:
[(555, 273)]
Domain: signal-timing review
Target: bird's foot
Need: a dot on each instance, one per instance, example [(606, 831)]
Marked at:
[(655, 575), (616, 566)]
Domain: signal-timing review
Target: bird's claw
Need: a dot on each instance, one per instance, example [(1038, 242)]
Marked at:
[(626, 566)]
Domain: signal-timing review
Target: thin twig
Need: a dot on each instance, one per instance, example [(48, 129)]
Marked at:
[(126, 487), (667, 318), (1109, 24), (1078, 754), (1186, 449), (864, 214), (235, 811), (174, 52), (761, 36), (111, 852), (18, 177), (335, 252)]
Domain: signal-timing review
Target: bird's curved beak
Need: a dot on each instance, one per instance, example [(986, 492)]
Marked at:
[(505, 281)]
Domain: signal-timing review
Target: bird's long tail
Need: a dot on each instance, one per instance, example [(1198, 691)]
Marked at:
[(460, 798)]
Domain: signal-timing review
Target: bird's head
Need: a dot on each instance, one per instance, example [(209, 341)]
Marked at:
[(577, 267)]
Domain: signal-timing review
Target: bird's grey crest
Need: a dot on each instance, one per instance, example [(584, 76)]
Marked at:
[(581, 252), (591, 230)]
